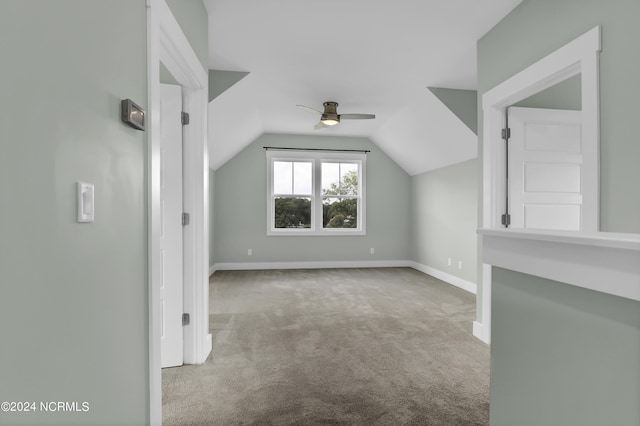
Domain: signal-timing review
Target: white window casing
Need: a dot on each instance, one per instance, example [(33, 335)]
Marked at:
[(316, 196)]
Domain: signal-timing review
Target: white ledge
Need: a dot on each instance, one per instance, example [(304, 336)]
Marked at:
[(601, 239), (599, 261)]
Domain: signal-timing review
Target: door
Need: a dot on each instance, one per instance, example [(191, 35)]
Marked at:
[(171, 287), (546, 169)]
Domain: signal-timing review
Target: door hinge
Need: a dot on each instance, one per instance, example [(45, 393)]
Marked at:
[(506, 219), (184, 117), (185, 219), (186, 319), (506, 133)]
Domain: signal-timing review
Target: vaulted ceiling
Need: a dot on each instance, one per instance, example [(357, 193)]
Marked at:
[(370, 56)]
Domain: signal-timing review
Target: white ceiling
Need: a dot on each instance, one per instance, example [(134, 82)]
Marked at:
[(370, 56)]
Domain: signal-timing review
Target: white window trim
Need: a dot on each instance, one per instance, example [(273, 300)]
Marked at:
[(316, 214)]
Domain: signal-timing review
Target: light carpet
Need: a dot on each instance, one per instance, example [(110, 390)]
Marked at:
[(387, 346)]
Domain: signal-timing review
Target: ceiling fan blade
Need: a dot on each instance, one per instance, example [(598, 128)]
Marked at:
[(320, 125), (357, 116), (310, 109)]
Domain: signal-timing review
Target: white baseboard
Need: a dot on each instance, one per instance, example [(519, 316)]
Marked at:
[(448, 278), (481, 332), (248, 266), (212, 269), (239, 266)]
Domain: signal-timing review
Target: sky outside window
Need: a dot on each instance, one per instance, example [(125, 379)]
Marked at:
[(291, 177), (333, 174)]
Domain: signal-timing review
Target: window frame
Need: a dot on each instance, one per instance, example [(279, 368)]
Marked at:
[(316, 159)]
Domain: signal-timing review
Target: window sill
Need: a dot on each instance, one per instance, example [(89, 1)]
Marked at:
[(311, 233)]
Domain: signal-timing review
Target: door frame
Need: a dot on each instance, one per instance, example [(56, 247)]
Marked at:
[(167, 43), (578, 56)]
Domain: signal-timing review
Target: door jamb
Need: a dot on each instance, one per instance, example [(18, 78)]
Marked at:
[(167, 43), (578, 56)]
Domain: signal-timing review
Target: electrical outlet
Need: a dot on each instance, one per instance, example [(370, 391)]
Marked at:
[(459, 264), (249, 252), (372, 250), (449, 262)]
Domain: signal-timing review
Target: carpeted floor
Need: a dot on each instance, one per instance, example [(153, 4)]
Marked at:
[(388, 346)]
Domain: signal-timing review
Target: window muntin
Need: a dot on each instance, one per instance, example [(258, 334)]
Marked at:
[(313, 193)]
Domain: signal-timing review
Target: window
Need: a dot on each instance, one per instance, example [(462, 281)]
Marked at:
[(311, 193)]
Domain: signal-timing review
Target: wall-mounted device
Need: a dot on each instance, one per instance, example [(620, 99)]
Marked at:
[(132, 114), (85, 202)]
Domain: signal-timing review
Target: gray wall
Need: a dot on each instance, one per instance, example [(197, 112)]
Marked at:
[(194, 21), (564, 95), (546, 337), (562, 355), (220, 81), (73, 297), (535, 29), (241, 206), (444, 219), (166, 77), (463, 103)]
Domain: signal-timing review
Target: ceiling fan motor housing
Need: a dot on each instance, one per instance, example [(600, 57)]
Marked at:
[(330, 112)]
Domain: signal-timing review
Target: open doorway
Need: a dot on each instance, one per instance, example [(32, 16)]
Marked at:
[(546, 171), (578, 57), (168, 44)]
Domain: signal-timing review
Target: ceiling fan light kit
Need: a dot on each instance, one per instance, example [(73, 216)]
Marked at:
[(330, 116), (329, 121)]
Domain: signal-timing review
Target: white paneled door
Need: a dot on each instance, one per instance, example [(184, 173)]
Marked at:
[(171, 290), (546, 169)]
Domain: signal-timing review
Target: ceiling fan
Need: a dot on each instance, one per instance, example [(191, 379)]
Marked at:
[(330, 116)]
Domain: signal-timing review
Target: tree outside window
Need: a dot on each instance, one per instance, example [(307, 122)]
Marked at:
[(340, 199)]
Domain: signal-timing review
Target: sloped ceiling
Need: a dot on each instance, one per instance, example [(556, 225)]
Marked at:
[(370, 56)]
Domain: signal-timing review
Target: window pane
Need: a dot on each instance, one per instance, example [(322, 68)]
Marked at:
[(339, 179), (340, 213), (302, 178), (282, 177), (349, 178), (330, 178), (292, 212)]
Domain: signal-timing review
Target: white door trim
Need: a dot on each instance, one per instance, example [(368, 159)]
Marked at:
[(167, 43), (578, 56)]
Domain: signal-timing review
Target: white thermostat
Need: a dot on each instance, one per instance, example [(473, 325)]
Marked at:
[(85, 202)]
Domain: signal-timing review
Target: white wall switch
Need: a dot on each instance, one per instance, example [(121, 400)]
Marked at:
[(249, 252), (372, 250), (85, 201), (449, 262), (460, 264)]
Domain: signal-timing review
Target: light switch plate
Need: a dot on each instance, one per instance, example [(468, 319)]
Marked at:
[(85, 202)]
